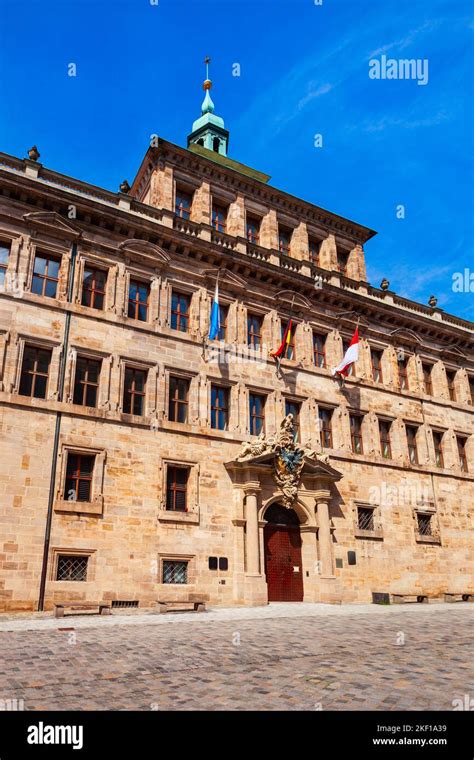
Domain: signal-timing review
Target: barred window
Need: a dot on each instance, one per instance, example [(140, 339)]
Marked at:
[(71, 568), (45, 275), (365, 518), (424, 524), (35, 372), (175, 572)]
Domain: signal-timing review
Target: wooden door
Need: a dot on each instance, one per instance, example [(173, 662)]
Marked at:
[(283, 564)]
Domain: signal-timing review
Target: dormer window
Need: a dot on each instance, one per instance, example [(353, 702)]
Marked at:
[(183, 203)]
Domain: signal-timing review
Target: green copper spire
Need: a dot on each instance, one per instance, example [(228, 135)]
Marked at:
[(209, 130)]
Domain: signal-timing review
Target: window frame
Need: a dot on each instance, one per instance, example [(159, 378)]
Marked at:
[(136, 302), (36, 348), (179, 209), (255, 417), (289, 404), (251, 335), (45, 278), (141, 394), (252, 238), (216, 224), (85, 357), (385, 440), (356, 434), (438, 436), (284, 239), (461, 442), (216, 410), (174, 401), (427, 370), (176, 487), (376, 358), (325, 429), (412, 444), (7, 245), (316, 352), (95, 269), (185, 315), (89, 478)]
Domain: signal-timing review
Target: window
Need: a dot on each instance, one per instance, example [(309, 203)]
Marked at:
[(451, 376), (86, 385), (356, 433), (319, 350), (342, 259), (351, 370), (427, 379), (178, 399), (376, 358), (219, 218), (423, 521), (254, 330), (93, 288), (289, 351), (219, 407), (138, 296), (314, 248), (71, 568), (325, 426), (134, 391), (365, 518), (284, 240), (223, 313), (175, 572), (34, 372), (403, 374), (257, 413), (45, 275), (253, 230), (411, 442), (4, 255), (294, 408), (180, 303), (176, 488), (183, 204), (438, 448), (385, 444), (79, 471), (471, 389), (461, 443)]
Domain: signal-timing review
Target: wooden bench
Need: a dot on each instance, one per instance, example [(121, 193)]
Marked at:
[(409, 598), (458, 597), (195, 605), (59, 609)]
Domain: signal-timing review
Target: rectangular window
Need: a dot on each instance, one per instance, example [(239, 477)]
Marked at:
[(223, 314), (178, 399), (257, 413), (71, 568), (424, 524), (175, 572), (4, 256), (412, 446), (45, 275), (351, 370), (177, 488), (403, 374), (86, 385), (290, 347), (253, 230), (365, 518), (284, 240), (93, 288), (385, 444), (461, 443), (35, 372), (294, 408), (451, 376), (376, 357), (314, 248), (219, 407), (219, 218), (438, 449), (183, 204), (254, 330), (342, 259), (79, 471), (134, 391), (180, 303), (325, 426), (427, 379), (356, 434), (471, 389), (138, 297), (319, 350)]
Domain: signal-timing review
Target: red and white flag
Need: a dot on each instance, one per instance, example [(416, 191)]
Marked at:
[(350, 357)]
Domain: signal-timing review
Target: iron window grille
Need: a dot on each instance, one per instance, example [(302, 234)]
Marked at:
[(71, 568), (124, 604), (424, 523), (175, 572), (365, 518), (45, 275), (35, 372)]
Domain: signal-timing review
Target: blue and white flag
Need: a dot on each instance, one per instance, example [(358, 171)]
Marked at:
[(215, 316)]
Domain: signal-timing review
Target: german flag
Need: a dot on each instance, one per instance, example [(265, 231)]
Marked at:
[(285, 341)]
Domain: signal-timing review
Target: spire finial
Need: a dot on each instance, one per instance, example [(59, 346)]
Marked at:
[(208, 105)]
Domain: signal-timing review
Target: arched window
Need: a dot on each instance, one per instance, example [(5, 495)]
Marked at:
[(201, 141)]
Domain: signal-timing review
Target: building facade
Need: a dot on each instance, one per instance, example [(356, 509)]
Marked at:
[(141, 461)]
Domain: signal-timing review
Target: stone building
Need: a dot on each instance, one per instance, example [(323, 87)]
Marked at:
[(141, 461)]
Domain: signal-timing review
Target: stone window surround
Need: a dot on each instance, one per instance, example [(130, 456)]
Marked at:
[(150, 384), (192, 515), (57, 252), (232, 387), (170, 557), (377, 533), (106, 360), (141, 275), (193, 394), (96, 505), (427, 508), (187, 290), (86, 259), (56, 551), (23, 340)]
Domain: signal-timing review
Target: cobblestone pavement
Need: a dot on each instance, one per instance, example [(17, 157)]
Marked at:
[(281, 657)]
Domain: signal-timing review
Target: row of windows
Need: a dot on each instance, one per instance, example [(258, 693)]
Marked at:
[(219, 216), (74, 567), (366, 521)]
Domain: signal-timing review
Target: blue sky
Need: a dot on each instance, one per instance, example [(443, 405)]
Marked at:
[(304, 71)]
